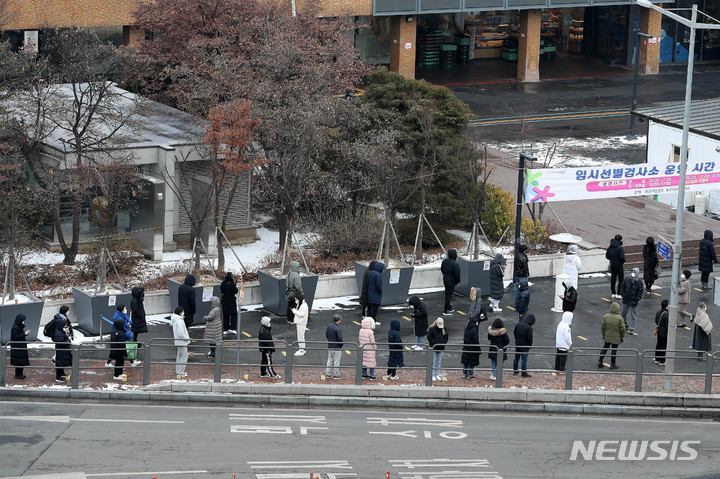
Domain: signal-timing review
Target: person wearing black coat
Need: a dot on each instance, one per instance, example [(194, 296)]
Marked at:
[(18, 352), (267, 348), (499, 339), (522, 300), (437, 339), (615, 254), (364, 304), (523, 333), (706, 258), (661, 320), (471, 349), (497, 288), (395, 356), (118, 350), (569, 298), (137, 312), (631, 291), (186, 298), (650, 263), (450, 270), (228, 303), (420, 314), (62, 337), (521, 269)]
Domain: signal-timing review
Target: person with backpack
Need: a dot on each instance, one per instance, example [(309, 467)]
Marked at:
[(366, 340), (523, 333), (471, 352), (186, 299), (118, 349), (121, 314), (612, 329), (228, 301), (419, 314), (293, 289), (451, 278), (18, 350), (213, 326), (395, 357), (364, 289), (62, 336), (701, 335), (267, 348), (437, 339), (182, 339)]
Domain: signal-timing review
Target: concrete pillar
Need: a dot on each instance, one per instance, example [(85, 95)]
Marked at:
[(403, 35), (650, 23), (529, 46)]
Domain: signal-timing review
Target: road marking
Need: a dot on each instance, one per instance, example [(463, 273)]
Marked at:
[(307, 329), (246, 334), (250, 429), (302, 475), (414, 421), (148, 473), (412, 464), (405, 317), (460, 312), (606, 365), (284, 353), (347, 351), (279, 417), (656, 294), (67, 419), (583, 338), (605, 299), (303, 464), (357, 323), (510, 307), (408, 349), (698, 289), (396, 433)]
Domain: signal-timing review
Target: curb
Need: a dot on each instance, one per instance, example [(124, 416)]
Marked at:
[(617, 403)]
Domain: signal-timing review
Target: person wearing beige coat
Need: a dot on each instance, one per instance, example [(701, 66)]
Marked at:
[(213, 325), (684, 299)]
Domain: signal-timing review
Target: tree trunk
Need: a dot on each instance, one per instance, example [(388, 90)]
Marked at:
[(102, 269), (220, 250), (388, 238), (11, 273), (194, 235), (282, 229), (288, 247), (476, 239), (421, 227)]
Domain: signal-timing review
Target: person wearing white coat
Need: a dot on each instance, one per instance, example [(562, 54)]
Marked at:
[(573, 265), (182, 339), (563, 340), (300, 321)]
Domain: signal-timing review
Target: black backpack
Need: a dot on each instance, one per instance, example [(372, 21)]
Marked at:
[(49, 328)]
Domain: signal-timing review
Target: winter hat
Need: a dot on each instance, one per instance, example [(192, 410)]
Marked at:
[(650, 240), (440, 323), (636, 270), (265, 321), (573, 248), (618, 237)]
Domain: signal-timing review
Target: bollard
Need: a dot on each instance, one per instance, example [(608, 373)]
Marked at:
[(428, 366), (312, 476), (559, 289), (388, 475), (233, 475)]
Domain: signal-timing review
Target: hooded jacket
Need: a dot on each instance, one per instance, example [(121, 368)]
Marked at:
[(702, 320), (117, 341), (570, 298), (375, 284), (213, 322), (19, 352), (497, 288), (126, 326), (521, 268), (366, 336), (477, 310), (228, 294), (471, 345), (612, 327), (365, 282), (294, 283), (615, 253), (572, 266), (631, 289), (523, 333), (420, 314), (301, 314), (395, 358), (563, 333), (137, 310), (650, 259), (498, 338), (186, 298), (180, 332), (63, 348), (265, 339), (450, 269), (523, 299), (706, 255)]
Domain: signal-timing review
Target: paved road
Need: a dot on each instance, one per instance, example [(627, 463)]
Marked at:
[(116, 440)]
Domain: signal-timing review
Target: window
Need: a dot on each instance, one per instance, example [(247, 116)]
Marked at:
[(675, 157)]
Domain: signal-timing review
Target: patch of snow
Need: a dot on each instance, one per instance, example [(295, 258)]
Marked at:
[(594, 275)]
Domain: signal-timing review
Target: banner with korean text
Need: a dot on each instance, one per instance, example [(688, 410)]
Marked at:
[(613, 181)]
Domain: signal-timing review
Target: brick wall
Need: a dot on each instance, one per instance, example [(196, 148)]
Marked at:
[(529, 46), (650, 23), (402, 60), (67, 13)]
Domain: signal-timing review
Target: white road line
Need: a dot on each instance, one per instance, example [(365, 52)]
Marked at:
[(286, 464), (148, 473), (414, 421), (67, 419), (278, 417)]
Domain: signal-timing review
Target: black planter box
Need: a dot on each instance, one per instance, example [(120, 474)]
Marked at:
[(201, 308), (395, 293), (32, 312), (91, 308), (474, 273), (272, 290)]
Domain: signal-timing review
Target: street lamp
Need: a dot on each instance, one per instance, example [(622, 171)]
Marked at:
[(677, 247)]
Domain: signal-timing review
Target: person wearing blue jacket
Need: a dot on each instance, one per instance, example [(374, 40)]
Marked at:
[(395, 358), (118, 348), (126, 328), (522, 301), (375, 290)]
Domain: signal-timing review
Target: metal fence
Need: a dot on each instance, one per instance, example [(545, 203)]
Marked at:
[(236, 354)]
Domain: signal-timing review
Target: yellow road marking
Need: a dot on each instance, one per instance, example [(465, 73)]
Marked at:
[(357, 323), (606, 365), (584, 339), (284, 353), (605, 299), (698, 289), (348, 351), (510, 307), (656, 294), (464, 314), (405, 317), (408, 349), (246, 334), (307, 329)]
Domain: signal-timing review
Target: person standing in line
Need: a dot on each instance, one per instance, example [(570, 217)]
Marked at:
[(612, 330), (499, 339), (228, 301), (706, 258), (364, 290), (186, 299), (121, 314), (650, 263), (62, 337), (18, 352), (437, 339), (137, 311), (497, 288), (471, 348), (118, 350), (334, 336), (563, 340), (213, 326), (366, 340), (395, 357), (631, 291), (521, 269), (421, 320), (615, 254), (182, 339), (375, 291), (701, 337), (573, 265), (684, 298), (569, 298), (476, 309), (451, 278), (266, 345), (661, 320), (293, 288), (522, 300), (523, 333), (300, 314)]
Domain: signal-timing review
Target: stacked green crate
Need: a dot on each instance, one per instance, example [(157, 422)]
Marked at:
[(510, 49), (463, 49), (428, 51), (448, 52), (547, 49)]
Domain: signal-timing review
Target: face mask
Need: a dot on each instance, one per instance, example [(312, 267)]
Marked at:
[(632, 274)]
